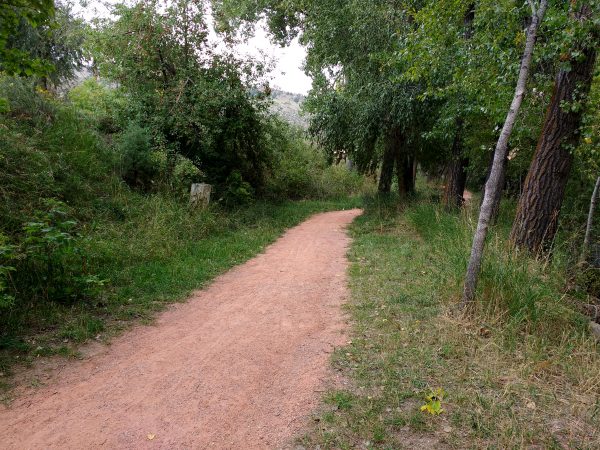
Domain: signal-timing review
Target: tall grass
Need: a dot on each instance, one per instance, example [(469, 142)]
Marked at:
[(521, 372)]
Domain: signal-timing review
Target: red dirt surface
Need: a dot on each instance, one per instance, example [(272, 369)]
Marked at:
[(239, 366)]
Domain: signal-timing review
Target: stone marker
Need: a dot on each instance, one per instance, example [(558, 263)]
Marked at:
[(200, 194), (595, 330)]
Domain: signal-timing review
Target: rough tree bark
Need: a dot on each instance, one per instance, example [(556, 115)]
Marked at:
[(456, 173), (387, 169), (536, 220), (405, 173), (390, 154), (590, 221), (500, 154)]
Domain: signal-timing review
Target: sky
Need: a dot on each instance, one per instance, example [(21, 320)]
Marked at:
[(287, 73)]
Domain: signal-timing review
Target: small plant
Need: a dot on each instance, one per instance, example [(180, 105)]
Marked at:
[(434, 402), (54, 265)]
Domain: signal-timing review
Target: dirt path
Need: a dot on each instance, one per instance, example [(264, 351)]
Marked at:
[(239, 366)]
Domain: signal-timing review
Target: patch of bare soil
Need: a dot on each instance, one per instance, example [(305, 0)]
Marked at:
[(240, 365)]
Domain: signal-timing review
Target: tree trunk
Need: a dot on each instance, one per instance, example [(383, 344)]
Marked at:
[(456, 170), (456, 173), (405, 171), (539, 206), (498, 195), (390, 154), (500, 154), (387, 168), (590, 221)]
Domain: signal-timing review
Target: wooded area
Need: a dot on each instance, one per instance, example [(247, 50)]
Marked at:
[(106, 124)]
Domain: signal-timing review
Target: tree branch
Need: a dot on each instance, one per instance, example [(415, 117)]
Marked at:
[(533, 8)]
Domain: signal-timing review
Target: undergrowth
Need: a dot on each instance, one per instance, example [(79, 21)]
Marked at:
[(520, 372), (96, 228), (157, 255)]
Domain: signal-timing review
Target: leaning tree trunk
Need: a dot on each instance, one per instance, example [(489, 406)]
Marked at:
[(590, 222), (539, 206), (498, 195), (456, 173), (500, 154)]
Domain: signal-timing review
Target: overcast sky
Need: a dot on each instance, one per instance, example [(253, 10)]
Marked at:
[(287, 73)]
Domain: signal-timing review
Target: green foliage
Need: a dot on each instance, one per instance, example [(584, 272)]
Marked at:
[(102, 105), (52, 265), (26, 102), (300, 170), (57, 44), (238, 191), (196, 103), (139, 169), (7, 257), (34, 13)]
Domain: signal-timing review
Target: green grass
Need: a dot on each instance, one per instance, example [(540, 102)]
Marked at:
[(521, 372), (157, 254)]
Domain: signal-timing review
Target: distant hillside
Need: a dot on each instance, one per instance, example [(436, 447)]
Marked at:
[(287, 105)]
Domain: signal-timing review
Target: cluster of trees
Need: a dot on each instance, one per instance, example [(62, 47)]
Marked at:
[(101, 119), (172, 92), (396, 84), (401, 82)]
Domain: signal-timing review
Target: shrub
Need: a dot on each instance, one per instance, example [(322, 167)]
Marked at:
[(100, 103), (300, 170), (26, 102), (184, 174), (48, 263), (7, 256), (139, 167), (237, 191)]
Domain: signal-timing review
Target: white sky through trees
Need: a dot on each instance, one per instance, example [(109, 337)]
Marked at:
[(287, 73)]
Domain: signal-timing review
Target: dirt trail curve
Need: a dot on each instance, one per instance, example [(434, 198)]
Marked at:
[(239, 366)]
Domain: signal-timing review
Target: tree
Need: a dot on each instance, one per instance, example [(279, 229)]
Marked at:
[(58, 44), (204, 106), (540, 203), (13, 14), (500, 154), (360, 108), (590, 221)]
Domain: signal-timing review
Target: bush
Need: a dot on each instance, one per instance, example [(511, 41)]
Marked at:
[(7, 256), (26, 102), (237, 191), (139, 168), (99, 103), (184, 174), (47, 155), (300, 170), (48, 263)]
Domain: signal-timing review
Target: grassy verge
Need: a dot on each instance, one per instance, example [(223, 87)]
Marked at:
[(157, 254), (520, 373)]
